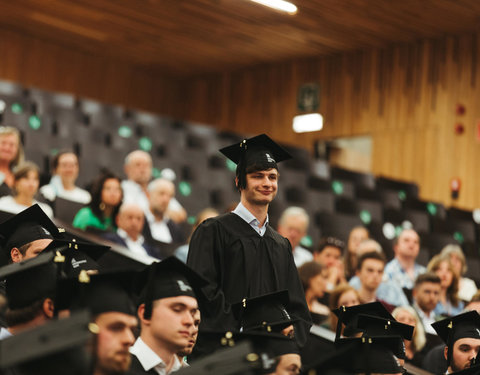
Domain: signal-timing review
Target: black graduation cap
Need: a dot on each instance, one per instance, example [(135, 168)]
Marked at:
[(465, 325), (349, 316), (98, 293), (29, 225), (474, 370), (169, 278), (362, 355), (376, 326), (58, 347), (259, 153), (31, 279), (267, 312)]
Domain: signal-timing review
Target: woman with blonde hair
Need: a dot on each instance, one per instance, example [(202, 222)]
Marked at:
[(449, 304), (11, 155), (466, 287), (414, 352)]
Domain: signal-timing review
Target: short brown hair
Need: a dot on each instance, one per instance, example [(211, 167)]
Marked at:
[(427, 277), (308, 271), (371, 255)]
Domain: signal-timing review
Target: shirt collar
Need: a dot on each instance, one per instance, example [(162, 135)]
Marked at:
[(246, 215), (148, 358), (124, 235)]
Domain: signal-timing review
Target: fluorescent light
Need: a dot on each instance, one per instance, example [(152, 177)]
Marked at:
[(281, 5), (307, 123)]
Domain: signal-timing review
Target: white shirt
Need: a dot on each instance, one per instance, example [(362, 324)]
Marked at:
[(426, 320), (150, 360), (134, 246), (4, 333), (8, 204), (159, 229), (301, 255), (246, 215), (55, 189)]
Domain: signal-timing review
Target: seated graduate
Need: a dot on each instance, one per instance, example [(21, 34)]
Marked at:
[(62, 184)]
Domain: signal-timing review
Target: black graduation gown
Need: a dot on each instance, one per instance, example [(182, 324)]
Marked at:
[(239, 263)]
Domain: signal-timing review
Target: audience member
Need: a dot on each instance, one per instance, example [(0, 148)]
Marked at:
[(293, 225), (186, 351), (182, 252), (158, 225), (288, 364), (414, 349), (62, 183), (466, 287), (403, 269), (474, 303), (343, 295), (449, 303), (11, 155), (355, 238), (426, 295), (130, 222), (101, 212), (329, 254), (25, 187), (314, 285), (138, 169)]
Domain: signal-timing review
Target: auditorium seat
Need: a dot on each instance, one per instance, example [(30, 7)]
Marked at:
[(337, 225), (410, 188), (365, 180), (435, 242), (319, 201), (356, 206)]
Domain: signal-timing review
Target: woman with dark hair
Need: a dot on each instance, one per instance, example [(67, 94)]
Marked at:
[(101, 212), (314, 285), (26, 179), (11, 155)]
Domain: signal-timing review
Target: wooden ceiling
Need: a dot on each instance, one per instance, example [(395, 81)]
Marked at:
[(193, 37)]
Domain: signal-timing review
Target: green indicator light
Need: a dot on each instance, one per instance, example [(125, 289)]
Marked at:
[(366, 217), (54, 151), (337, 187), (124, 131), (35, 122), (231, 165), (185, 188), (459, 237), (432, 208), (156, 173), (306, 241), (17, 108), (402, 195), (191, 220), (145, 144)]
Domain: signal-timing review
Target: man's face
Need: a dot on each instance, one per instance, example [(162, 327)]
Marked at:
[(139, 169), (355, 238), (180, 313), (193, 336), (408, 245), (294, 228), (67, 167), (115, 336), (371, 274), (289, 364), (329, 256), (131, 220), (160, 197), (427, 295), (34, 248), (464, 350), (261, 187)]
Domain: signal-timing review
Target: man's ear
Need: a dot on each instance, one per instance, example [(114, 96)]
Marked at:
[(141, 314), (16, 255), (48, 308), (445, 352)]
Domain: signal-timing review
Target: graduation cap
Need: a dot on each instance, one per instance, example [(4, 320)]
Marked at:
[(466, 325), (376, 326), (361, 355), (168, 278), (349, 316), (58, 347), (98, 293), (255, 154), (267, 312), (30, 280), (29, 225)]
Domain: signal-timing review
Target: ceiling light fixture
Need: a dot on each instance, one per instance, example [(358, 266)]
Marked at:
[(307, 123), (282, 5)]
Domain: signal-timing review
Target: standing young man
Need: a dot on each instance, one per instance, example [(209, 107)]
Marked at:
[(238, 252)]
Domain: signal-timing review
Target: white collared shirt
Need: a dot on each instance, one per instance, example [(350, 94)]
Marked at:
[(135, 246), (246, 215), (150, 360), (159, 229)]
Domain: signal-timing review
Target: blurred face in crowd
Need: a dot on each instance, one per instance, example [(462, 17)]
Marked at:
[(160, 196), (348, 299), (329, 256), (406, 317), (111, 192), (293, 228), (27, 186), (67, 167), (139, 167), (289, 364), (464, 350), (355, 238), (444, 272), (427, 295), (408, 245), (115, 336), (317, 285), (371, 273), (456, 263), (8, 147), (131, 218)]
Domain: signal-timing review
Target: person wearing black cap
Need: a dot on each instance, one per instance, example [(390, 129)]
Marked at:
[(461, 335), (238, 252), (108, 298), (168, 311)]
